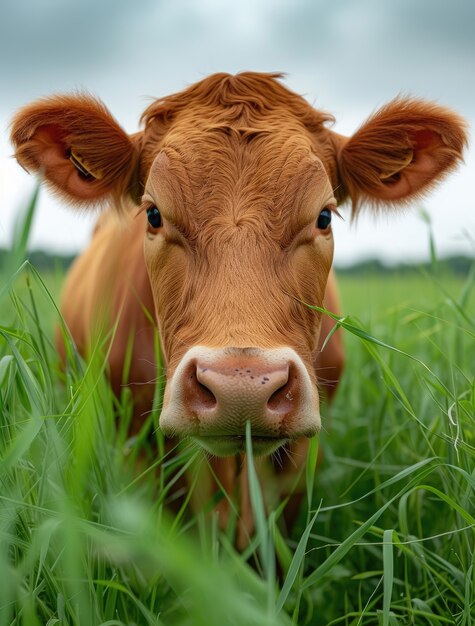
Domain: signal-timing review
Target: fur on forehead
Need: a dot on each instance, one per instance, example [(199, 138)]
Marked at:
[(243, 97), (248, 105)]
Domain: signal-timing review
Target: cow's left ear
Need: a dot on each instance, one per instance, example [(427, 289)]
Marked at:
[(78, 147), (400, 152)]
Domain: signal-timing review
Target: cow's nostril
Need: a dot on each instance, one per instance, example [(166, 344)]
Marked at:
[(284, 399), (197, 395), (205, 396)]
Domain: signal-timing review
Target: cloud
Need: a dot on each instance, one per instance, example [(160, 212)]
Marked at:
[(369, 49), (361, 49), (50, 43), (62, 34), (348, 55)]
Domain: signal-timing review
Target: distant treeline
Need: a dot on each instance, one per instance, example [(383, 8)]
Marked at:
[(458, 265), (43, 261)]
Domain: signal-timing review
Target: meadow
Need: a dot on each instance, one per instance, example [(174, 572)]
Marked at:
[(386, 531)]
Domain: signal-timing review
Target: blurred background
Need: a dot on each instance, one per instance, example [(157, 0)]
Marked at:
[(347, 57)]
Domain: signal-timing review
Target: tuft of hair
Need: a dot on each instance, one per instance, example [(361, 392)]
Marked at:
[(390, 140), (79, 122), (246, 94)]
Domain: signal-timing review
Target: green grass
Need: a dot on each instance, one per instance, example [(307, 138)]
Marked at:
[(386, 534)]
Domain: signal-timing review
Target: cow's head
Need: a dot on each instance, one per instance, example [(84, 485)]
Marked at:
[(238, 180)]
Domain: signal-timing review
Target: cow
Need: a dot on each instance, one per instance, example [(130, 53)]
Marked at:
[(217, 229)]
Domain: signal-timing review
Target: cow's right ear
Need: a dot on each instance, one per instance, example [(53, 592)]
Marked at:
[(78, 147)]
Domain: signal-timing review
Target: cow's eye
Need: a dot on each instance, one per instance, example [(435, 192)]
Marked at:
[(154, 217), (324, 219)]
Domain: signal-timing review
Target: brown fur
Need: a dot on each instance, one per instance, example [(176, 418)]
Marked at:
[(240, 168), (434, 136), (46, 130)]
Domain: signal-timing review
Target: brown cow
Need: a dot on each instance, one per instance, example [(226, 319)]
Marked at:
[(226, 199)]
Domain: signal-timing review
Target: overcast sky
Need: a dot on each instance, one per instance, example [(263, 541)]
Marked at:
[(345, 56)]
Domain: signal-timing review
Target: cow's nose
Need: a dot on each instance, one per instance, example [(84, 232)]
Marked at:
[(214, 392), (229, 388)]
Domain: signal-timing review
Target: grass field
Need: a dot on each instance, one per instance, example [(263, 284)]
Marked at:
[(386, 534)]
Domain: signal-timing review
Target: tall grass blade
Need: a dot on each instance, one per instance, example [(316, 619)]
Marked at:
[(21, 234), (266, 550), (388, 576), (296, 564)]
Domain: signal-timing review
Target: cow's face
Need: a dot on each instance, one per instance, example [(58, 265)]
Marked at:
[(238, 180), (239, 237)]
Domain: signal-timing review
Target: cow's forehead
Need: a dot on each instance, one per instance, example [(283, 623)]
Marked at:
[(265, 156), (238, 174), (227, 126)]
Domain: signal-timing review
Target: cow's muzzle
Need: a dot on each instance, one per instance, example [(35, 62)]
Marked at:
[(215, 391)]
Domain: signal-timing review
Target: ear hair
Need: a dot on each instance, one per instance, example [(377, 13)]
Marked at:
[(404, 149), (84, 153)]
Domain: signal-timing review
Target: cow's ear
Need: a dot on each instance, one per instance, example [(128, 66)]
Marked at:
[(77, 146), (400, 152)]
